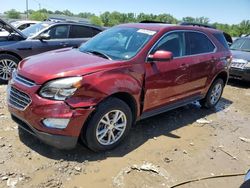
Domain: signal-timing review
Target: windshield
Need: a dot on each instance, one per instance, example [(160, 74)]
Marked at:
[(32, 30), (242, 44), (118, 43)]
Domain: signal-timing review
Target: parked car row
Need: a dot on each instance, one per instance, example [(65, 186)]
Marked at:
[(96, 92), (20, 25), (240, 68), (39, 38)]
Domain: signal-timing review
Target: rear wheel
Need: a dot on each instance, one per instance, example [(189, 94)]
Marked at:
[(108, 126), (214, 94), (7, 64)]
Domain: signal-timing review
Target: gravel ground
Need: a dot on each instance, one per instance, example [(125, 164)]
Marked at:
[(180, 145)]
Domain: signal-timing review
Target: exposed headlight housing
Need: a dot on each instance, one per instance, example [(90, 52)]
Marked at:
[(60, 89)]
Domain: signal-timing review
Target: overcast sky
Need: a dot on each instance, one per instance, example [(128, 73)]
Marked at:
[(223, 11)]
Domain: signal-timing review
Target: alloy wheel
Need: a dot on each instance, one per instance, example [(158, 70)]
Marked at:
[(111, 127), (216, 93), (6, 67)]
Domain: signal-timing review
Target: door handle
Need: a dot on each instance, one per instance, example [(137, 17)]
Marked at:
[(184, 66), (214, 59), (64, 43)]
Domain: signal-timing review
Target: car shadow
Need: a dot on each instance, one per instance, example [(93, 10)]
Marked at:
[(144, 130), (239, 83)]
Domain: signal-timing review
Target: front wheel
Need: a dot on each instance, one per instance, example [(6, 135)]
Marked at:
[(108, 126), (7, 64), (214, 94)]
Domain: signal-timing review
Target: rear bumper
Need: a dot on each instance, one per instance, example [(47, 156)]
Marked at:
[(57, 141), (242, 74)]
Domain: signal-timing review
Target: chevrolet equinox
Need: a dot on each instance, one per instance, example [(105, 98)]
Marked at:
[(96, 92)]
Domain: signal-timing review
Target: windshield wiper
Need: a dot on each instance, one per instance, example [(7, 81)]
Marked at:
[(100, 54)]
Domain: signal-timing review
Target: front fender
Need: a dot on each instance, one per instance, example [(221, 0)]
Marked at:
[(100, 85)]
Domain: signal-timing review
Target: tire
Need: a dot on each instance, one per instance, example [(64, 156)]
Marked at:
[(104, 131), (7, 64), (214, 94)]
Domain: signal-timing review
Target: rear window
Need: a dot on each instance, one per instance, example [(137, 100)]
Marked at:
[(220, 37)]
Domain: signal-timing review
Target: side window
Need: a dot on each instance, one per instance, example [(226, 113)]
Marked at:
[(59, 32), (198, 43), (22, 27), (173, 42), (220, 37), (82, 32)]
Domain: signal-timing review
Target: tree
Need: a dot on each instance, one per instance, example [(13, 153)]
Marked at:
[(244, 27), (166, 18), (58, 12), (188, 19), (13, 14), (68, 13), (86, 14), (96, 20), (38, 15)]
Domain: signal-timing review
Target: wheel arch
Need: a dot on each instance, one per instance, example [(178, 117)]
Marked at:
[(223, 75), (129, 100), (11, 53)]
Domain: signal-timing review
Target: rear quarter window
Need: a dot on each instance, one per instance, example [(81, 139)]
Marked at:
[(198, 43), (82, 32), (220, 37)]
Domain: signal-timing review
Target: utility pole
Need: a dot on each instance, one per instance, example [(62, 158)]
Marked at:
[(27, 9)]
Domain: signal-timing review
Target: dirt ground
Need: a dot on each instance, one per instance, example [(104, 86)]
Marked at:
[(183, 144)]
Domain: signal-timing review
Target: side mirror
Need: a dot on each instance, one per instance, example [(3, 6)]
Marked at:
[(160, 55), (43, 36)]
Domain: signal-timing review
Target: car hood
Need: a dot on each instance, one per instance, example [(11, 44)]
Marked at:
[(61, 63), (237, 54), (8, 27)]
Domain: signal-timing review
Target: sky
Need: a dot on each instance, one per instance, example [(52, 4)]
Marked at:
[(222, 11)]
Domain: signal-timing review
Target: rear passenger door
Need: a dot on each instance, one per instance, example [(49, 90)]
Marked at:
[(79, 34), (200, 58)]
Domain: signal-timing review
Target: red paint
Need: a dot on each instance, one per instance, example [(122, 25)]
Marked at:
[(156, 83)]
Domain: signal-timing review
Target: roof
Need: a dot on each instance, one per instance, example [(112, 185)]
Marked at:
[(163, 26), (72, 23)]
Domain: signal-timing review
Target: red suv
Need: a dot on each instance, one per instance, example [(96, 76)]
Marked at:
[(124, 74)]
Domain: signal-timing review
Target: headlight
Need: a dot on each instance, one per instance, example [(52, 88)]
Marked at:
[(60, 89), (247, 65)]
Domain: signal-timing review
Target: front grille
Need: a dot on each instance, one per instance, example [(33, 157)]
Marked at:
[(18, 99), (238, 65), (24, 80)]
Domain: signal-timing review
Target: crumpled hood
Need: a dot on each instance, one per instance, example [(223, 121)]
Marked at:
[(65, 62), (241, 55)]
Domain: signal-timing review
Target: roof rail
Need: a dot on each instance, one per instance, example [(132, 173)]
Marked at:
[(197, 24), (66, 19), (151, 21)]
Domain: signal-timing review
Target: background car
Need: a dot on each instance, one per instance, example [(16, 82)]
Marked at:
[(41, 37), (240, 67), (21, 25)]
